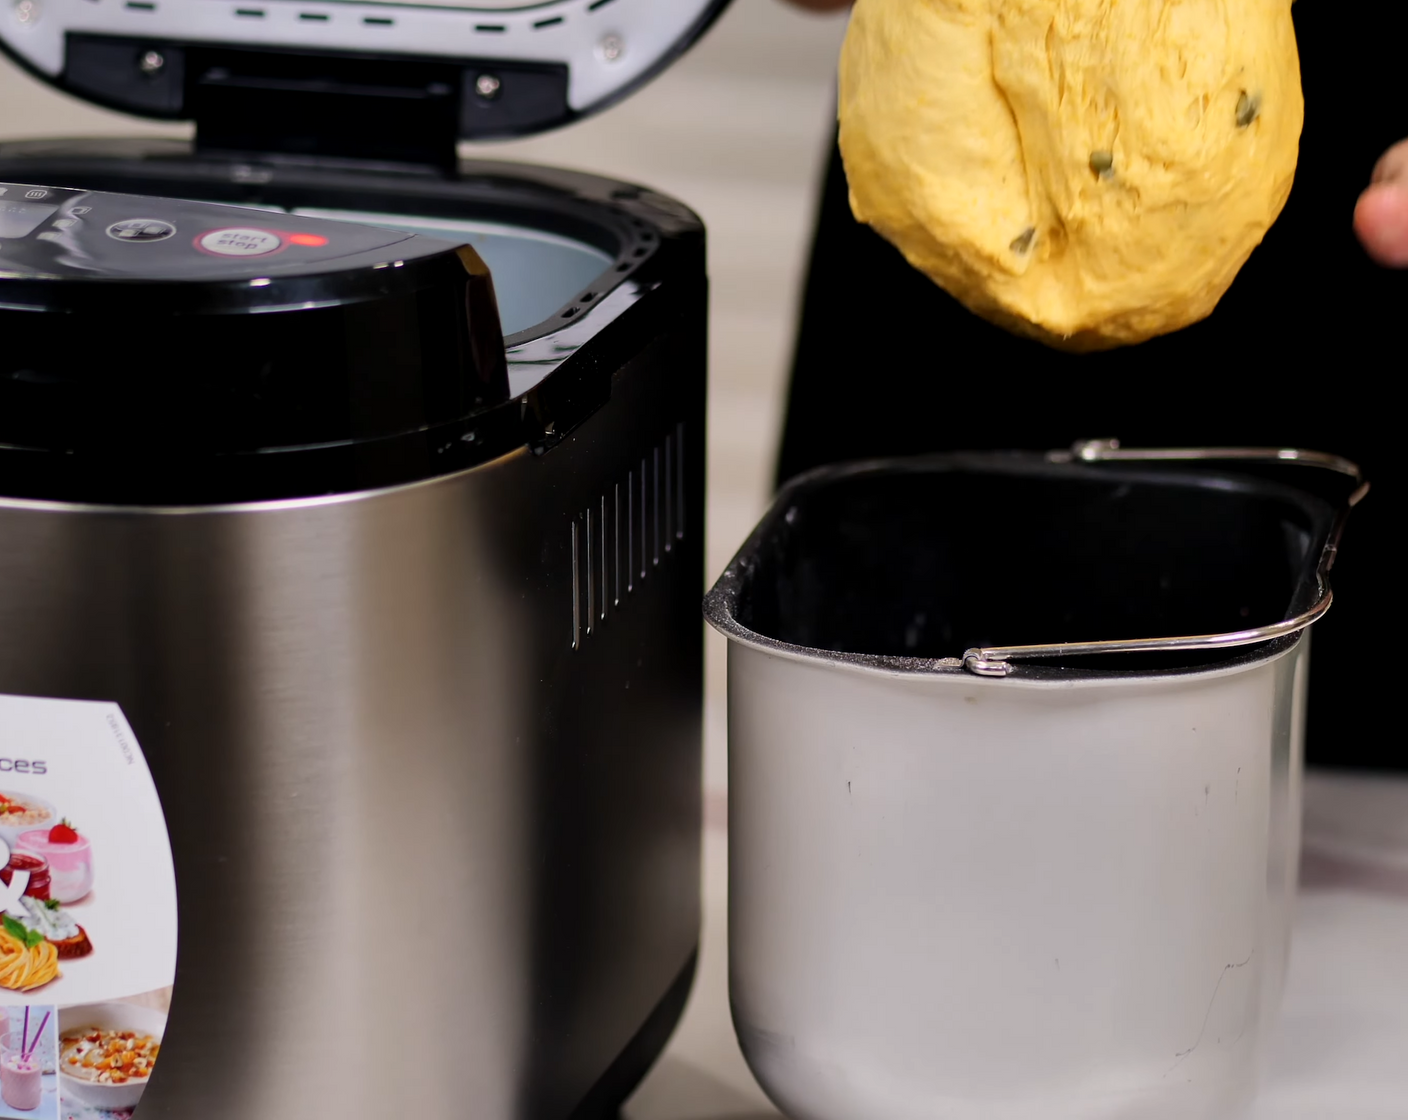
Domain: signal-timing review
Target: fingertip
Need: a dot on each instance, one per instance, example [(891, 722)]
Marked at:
[(1381, 221)]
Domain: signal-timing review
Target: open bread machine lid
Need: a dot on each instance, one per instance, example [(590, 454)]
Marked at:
[(309, 76)]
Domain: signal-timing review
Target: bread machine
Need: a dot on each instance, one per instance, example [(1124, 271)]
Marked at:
[(350, 653)]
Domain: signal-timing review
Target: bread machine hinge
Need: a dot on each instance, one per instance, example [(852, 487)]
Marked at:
[(390, 110)]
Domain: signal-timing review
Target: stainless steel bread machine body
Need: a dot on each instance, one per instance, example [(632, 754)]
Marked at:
[(425, 723), (389, 780)]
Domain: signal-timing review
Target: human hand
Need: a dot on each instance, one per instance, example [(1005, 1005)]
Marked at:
[(1381, 217)]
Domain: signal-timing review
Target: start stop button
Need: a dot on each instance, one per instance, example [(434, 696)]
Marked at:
[(240, 242)]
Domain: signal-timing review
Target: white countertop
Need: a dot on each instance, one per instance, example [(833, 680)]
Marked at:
[(1342, 1048)]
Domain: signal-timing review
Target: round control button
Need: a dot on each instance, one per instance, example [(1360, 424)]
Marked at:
[(141, 229), (240, 242)]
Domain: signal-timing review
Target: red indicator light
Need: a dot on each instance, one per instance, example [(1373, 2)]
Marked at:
[(308, 240)]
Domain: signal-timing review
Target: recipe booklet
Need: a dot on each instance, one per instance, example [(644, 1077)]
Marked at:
[(87, 911)]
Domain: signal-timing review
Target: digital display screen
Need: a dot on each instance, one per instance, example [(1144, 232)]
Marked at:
[(19, 218)]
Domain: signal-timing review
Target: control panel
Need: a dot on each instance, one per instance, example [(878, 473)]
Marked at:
[(57, 232), (260, 329)]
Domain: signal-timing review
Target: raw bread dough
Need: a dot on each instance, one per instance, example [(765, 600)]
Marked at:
[(1089, 172)]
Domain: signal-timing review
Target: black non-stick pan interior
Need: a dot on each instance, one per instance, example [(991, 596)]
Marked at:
[(927, 558)]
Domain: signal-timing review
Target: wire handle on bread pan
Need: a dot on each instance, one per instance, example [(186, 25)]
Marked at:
[(996, 661)]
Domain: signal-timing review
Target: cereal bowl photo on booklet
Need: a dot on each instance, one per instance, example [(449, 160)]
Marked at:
[(20, 812), (107, 1052)]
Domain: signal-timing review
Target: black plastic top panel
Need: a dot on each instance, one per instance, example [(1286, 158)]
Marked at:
[(327, 363), (141, 327)]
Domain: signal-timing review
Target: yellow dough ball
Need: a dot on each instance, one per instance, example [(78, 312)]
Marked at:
[(1088, 172)]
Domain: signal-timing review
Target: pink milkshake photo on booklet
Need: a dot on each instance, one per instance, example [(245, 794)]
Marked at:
[(28, 1066)]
